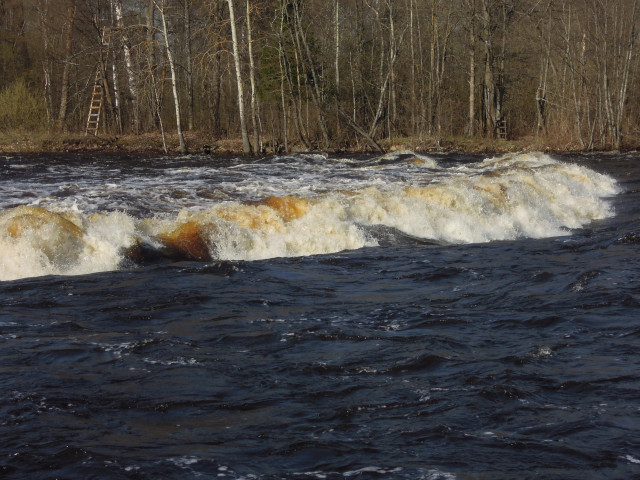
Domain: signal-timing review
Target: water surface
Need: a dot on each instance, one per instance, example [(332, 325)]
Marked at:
[(407, 316)]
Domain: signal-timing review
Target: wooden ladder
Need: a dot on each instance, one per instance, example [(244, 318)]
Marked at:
[(99, 87), (95, 109), (501, 129)]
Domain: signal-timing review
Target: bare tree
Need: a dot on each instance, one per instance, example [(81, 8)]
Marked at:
[(252, 77), (174, 82), (337, 61), (471, 47), (246, 146), (305, 52), (189, 64), (615, 28), (128, 62), (71, 15)]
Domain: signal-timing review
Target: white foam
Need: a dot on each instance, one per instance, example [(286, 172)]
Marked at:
[(372, 469), (49, 248)]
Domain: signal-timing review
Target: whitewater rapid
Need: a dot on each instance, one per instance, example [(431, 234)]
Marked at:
[(93, 218)]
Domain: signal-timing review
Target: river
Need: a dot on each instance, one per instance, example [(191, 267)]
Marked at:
[(407, 316)]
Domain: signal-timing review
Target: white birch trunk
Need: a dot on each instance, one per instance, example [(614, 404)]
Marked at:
[(472, 70), (246, 146), (174, 82), (252, 76), (43, 13), (131, 77)]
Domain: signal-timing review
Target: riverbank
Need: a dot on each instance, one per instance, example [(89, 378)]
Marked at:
[(201, 142)]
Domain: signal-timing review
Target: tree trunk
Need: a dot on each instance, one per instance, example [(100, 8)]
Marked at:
[(471, 119), (150, 29), (393, 51), (624, 81), (337, 62), (296, 100), (252, 77), (541, 92), (246, 146), (412, 78), (64, 92), (174, 80), (128, 62), (189, 65), (421, 81), (116, 93), (285, 125), (156, 101), (285, 68), (315, 90), (358, 129), (432, 70), (500, 86), (43, 13), (488, 86)]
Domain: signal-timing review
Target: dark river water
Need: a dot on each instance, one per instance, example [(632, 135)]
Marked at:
[(309, 317)]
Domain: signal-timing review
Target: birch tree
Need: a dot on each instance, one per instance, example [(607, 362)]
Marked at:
[(252, 77), (471, 49), (174, 81), (246, 146), (128, 62)]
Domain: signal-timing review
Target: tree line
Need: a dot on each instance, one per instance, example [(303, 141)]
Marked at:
[(325, 74)]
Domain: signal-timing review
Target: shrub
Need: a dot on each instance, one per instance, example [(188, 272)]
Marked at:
[(20, 109)]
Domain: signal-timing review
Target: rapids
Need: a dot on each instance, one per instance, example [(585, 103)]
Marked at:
[(78, 216)]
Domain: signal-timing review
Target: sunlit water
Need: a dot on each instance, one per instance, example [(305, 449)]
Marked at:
[(406, 316)]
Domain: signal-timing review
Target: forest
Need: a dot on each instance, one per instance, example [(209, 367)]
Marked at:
[(324, 74)]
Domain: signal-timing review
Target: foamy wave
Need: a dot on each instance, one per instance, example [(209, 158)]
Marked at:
[(36, 242), (516, 196), (507, 197)]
